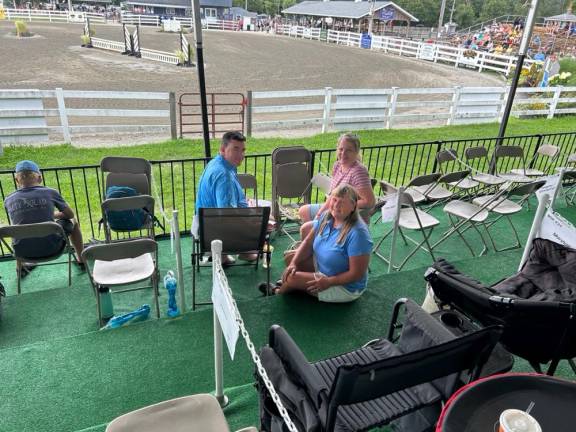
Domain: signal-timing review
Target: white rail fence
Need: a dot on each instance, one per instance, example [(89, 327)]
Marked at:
[(32, 116), (352, 109), (53, 16)]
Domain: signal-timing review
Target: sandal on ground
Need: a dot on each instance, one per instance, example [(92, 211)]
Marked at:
[(267, 290)]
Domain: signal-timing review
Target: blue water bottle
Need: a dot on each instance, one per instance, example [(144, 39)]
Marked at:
[(170, 284)]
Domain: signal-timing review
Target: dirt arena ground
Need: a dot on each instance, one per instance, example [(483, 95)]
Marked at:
[(235, 62)]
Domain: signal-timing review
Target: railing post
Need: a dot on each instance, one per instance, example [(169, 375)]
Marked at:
[(454, 106), (538, 144), (173, 122), (63, 116), (327, 109), (439, 145), (554, 102), (392, 108), (249, 113), (179, 268)]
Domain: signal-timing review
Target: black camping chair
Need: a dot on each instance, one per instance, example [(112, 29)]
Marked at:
[(376, 384), (536, 306), (241, 230)]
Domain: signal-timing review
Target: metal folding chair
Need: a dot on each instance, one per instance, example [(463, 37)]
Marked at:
[(36, 231), (248, 182), (449, 159), (543, 157), (504, 156), (122, 263), (477, 159), (408, 217)]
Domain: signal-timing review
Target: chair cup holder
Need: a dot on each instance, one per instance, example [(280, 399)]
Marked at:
[(451, 320)]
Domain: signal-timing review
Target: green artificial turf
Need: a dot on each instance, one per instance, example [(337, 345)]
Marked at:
[(62, 374)]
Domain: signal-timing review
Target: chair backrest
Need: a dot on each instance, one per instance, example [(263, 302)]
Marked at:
[(387, 188), (548, 150), (239, 229), (291, 175), (248, 181), (448, 155), (572, 159), (424, 180), (476, 153), (454, 177), (360, 383), (31, 231), (526, 189), (126, 171), (120, 250), (508, 152)]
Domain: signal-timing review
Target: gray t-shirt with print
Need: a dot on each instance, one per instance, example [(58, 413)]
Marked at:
[(32, 205)]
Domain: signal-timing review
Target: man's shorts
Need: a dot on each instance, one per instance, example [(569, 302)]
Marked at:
[(45, 246), (337, 293)]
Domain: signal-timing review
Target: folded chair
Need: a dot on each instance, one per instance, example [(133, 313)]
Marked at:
[(199, 412), (291, 175), (122, 263), (135, 173), (536, 306), (241, 230), (477, 160), (543, 157), (408, 218), (504, 156), (385, 380), (443, 188), (37, 232), (505, 207), (449, 157)]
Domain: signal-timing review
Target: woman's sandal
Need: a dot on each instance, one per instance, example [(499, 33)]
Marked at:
[(268, 289)]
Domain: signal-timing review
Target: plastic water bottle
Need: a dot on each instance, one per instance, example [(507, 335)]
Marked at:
[(106, 307), (139, 314), (170, 284)]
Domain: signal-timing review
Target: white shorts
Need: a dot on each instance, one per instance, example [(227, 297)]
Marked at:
[(337, 293)]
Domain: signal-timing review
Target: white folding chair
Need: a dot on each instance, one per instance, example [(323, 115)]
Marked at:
[(503, 157), (545, 154), (477, 159), (122, 263), (201, 413), (450, 157), (408, 217)]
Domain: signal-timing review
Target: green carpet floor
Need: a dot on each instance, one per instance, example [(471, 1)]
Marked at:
[(61, 374)]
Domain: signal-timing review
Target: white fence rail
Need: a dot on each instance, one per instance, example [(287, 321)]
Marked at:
[(52, 16), (352, 109), (30, 116), (108, 44)]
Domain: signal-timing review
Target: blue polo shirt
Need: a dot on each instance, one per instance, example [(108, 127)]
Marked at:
[(219, 186), (332, 258)]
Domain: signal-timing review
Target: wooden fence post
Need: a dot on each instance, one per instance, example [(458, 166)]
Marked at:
[(392, 108), (173, 122), (554, 102), (248, 113), (63, 116), (327, 109), (454, 106)]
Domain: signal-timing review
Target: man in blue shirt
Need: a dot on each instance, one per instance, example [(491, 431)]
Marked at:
[(219, 186)]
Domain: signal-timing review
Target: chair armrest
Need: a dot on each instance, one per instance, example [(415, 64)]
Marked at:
[(297, 364)]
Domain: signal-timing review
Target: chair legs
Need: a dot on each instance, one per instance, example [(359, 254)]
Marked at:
[(516, 237), (19, 265), (419, 245)]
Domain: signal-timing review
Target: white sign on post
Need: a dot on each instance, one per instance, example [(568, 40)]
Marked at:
[(390, 208), (556, 228), (225, 312), (550, 186)]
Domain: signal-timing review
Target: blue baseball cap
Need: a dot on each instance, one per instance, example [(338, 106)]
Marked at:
[(27, 165)]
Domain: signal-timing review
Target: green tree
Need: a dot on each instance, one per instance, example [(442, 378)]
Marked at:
[(464, 15)]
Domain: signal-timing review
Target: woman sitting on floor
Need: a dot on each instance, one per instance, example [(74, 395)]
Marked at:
[(332, 261), (347, 170)]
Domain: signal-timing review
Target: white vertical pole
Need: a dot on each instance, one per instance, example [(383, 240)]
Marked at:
[(63, 116), (218, 357), (535, 229), (554, 102), (178, 249), (395, 231), (327, 109)]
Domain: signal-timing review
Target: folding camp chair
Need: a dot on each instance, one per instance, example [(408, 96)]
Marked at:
[(122, 263), (504, 207), (36, 231), (506, 155), (536, 306), (200, 412), (241, 230), (291, 175), (130, 172), (408, 217), (477, 159), (449, 158), (543, 157), (385, 380), (248, 181)]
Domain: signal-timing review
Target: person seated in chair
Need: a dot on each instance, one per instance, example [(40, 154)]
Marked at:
[(34, 203), (332, 261), (347, 169), (219, 186)]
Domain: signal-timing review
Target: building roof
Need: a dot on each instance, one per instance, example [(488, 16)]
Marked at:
[(342, 9), (239, 11), (563, 18), (180, 3)]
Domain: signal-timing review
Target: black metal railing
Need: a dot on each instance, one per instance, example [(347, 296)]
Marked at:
[(175, 181)]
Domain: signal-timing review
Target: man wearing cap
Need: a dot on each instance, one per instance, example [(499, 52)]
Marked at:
[(34, 203)]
